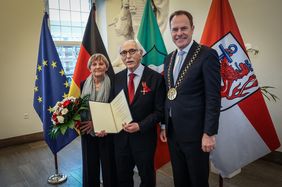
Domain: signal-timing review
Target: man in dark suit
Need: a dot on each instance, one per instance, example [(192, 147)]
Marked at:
[(136, 143), (192, 108)]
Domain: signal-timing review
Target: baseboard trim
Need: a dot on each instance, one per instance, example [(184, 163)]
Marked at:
[(21, 139), (274, 156)]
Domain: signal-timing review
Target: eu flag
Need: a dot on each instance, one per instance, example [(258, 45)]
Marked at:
[(51, 86)]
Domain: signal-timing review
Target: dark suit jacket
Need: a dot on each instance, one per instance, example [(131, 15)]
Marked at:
[(196, 108), (146, 109)]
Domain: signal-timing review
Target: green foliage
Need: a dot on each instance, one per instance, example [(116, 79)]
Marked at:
[(267, 94)]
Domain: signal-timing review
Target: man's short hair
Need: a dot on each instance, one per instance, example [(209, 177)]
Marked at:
[(181, 12)]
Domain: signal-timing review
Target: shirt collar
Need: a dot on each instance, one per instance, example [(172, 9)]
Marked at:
[(139, 70), (187, 48)]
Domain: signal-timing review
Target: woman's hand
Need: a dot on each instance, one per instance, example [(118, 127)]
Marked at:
[(86, 127)]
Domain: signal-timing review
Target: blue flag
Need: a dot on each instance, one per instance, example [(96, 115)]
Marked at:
[(51, 86)]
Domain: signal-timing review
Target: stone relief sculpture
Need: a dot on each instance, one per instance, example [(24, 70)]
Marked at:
[(162, 13), (123, 23), (126, 23)]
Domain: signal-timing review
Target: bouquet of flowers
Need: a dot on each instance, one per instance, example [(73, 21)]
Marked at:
[(66, 114)]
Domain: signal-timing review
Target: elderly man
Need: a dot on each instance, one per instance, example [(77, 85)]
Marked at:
[(136, 143)]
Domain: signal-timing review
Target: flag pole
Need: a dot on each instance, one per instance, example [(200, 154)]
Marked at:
[(57, 178), (220, 180), (154, 8), (94, 6), (47, 79)]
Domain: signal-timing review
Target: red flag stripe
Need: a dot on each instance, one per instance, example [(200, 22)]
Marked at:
[(81, 72), (162, 153), (255, 109), (222, 21)]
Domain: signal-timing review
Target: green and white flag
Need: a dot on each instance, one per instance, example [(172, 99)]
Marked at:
[(150, 37)]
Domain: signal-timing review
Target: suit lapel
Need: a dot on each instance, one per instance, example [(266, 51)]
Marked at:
[(125, 85)]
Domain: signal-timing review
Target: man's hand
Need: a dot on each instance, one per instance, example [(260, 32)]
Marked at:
[(208, 143), (163, 136), (101, 134), (86, 127), (131, 127)]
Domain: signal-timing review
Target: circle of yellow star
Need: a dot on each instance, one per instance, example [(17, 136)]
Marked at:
[(44, 62), (65, 95), (39, 68), (62, 72), (39, 99), (54, 64), (50, 109), (66, 84)]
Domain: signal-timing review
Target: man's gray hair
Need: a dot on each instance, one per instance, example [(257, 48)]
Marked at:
[(138, 45)]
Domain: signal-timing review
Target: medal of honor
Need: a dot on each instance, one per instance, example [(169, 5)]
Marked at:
[(171, 94)]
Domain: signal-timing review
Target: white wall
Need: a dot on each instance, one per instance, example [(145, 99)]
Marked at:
[(258, 20), (19, 39)]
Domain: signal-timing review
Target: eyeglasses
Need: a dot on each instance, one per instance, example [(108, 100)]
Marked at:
[(130, 51)]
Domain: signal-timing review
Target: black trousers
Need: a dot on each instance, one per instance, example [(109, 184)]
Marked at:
[(190, 165), (94, 151), (126, 159)]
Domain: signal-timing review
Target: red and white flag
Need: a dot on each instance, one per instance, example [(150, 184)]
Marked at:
[(246, 131)]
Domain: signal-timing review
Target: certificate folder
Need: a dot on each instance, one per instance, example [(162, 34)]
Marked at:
[(110, 116)]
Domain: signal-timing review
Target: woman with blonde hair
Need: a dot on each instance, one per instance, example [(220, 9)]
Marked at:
[(97, 147)]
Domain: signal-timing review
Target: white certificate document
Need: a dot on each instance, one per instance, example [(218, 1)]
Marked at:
[(110, 116)]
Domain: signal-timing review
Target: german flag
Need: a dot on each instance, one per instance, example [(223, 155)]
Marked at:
[(92, 43)]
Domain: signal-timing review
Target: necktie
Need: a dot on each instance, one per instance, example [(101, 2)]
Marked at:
[(131, 87), (178, 65)]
